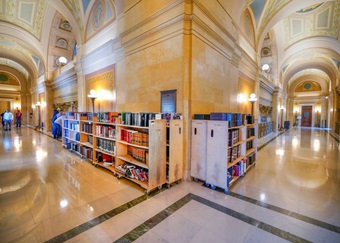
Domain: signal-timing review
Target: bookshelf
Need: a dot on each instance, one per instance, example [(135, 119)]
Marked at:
[(141, 153), (104, 142), (70, 132), (264, 128), (225, 154), (133, 146), (251, 145), (174, 151), (86, 135), (220, 153)]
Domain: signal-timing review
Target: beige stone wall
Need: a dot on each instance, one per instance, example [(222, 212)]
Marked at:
[(142, 76)]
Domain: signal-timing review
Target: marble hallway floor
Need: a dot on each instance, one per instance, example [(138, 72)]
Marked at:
[(48, 194)]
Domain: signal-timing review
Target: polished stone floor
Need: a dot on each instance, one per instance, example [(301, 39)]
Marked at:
[(48, 194)]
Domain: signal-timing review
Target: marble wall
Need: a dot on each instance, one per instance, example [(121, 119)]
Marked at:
[(174, 45)]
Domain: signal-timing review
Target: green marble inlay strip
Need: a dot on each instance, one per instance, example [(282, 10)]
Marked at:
[(152, 222), (286, 212), (100, 219), (155, 220)]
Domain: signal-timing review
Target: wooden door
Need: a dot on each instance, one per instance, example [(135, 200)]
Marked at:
[(306, 119)]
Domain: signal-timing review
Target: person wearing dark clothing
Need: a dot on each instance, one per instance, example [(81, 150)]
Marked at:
[(54, 125), (2, 119)]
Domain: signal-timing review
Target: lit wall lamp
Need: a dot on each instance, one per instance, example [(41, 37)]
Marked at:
[(92, 96), (61, 61), (252, 100), (241, 98), (265, 68)]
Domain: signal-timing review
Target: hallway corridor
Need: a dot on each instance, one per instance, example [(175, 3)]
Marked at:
[(49, 194)]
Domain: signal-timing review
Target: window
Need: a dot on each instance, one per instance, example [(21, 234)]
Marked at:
[(168, 101)]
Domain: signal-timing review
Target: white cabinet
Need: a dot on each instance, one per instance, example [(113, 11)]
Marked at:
[(174, 171), (217, 154)]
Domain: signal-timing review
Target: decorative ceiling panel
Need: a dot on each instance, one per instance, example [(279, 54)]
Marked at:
[(308, 86), (316, 20), (75, 9), (26, 14), (8, 79)]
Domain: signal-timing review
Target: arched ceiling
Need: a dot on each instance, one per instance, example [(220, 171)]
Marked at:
[(305, 36), (310, 27)]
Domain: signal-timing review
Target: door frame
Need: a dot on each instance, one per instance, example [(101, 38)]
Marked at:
[(313, 113)]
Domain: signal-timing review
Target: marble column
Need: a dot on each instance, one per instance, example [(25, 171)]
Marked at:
[(82, 96), (275, 104), (49, 99)]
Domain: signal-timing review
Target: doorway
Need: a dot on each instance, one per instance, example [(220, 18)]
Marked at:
[(306, 119)]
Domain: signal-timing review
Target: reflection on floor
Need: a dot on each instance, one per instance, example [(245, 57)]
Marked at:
[(49, 194)]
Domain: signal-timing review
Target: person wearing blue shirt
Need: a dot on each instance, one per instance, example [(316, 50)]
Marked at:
[(8, 118)]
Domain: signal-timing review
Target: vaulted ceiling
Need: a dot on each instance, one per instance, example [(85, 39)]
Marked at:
[(299, 34)]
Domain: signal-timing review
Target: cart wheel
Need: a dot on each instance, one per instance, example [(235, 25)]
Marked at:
[(213, 187), (147, 192), (179, 181), (160, 187), (207, 184), (195, 179), (227, 191), (168, 186)]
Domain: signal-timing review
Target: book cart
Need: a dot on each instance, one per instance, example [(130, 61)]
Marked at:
[(220, 154), (198, 156), (104, 143), (130, 145), (141, 154), (225, 154), (174, 152)]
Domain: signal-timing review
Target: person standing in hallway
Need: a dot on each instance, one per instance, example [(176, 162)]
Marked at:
[(18, 116), (2, 120), (8, 118)]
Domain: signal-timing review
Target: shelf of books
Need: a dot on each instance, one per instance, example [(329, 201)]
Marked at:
[(225, 154), (141, 150), (174, 151), (70, 132), (225, 141), (104, 142), (251, 145), (86, 135)]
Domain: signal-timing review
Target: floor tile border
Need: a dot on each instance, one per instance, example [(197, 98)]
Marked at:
[(102, 218), (286, 212), (158, 218)]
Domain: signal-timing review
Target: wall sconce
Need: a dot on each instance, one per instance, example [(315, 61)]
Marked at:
[(92, 96), (252, 100), (265, 68), (61, 61), (241, 98)]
